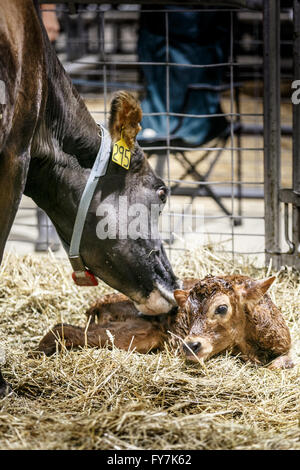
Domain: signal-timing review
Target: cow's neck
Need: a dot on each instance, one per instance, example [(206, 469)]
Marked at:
[(64, 147), (66, 126), (57, 188)]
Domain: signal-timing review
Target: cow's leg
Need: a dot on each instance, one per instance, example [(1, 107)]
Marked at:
[(13, 172)]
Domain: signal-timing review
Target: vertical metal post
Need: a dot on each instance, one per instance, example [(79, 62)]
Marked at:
[(296, 107), (168, 123), (272, 129), (232, 137), (101, 38), (296, 133)]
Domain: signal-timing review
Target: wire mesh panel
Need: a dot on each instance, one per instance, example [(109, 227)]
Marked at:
[(199, 73)]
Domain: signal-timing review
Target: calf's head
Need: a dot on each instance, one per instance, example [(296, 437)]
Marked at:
[(121, 240), (216, 308)]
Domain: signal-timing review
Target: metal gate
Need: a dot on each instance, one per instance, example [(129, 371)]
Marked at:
[(232, 183)]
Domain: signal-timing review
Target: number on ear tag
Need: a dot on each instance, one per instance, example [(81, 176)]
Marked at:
[(121, 154)]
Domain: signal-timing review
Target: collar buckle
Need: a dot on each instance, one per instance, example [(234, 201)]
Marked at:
[(84, 278)]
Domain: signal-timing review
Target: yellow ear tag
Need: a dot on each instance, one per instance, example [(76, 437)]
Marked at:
[(121, 153)]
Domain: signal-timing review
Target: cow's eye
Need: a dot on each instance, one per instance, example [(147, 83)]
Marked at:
[(221, 310), (162, 194)]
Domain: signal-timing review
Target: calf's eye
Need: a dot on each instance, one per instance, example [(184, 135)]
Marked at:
[(221, 310)]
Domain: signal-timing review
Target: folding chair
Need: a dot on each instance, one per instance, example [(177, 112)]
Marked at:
[(191, 92), (217, 139)]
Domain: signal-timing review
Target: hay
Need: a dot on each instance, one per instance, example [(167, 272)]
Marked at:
[(112, 399)]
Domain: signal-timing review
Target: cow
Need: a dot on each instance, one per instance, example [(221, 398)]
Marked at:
[(215, 314), (48, 145)]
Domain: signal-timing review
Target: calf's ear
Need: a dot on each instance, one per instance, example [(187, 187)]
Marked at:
[(181, 297), (257, 289), (264, 284), (125, 118)]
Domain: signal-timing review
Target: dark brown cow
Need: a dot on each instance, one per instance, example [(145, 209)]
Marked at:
[(48, 143)]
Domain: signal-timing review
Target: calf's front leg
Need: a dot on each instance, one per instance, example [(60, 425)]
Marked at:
[(13, 171)]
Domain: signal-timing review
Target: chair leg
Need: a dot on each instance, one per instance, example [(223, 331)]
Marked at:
[(239, 155), (160, 165), (205, 188), (47, 236), (210, 192), (239, 177)]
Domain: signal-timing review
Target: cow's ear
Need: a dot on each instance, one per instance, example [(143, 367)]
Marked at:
[(256, 289), (181, 297), (125, 118)]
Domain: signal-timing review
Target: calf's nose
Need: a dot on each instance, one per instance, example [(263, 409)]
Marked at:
[(190, 347)]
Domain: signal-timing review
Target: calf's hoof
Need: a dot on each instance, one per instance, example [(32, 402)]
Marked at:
[(281, 362)]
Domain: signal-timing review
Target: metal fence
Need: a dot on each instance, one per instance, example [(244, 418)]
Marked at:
[(226, 190)]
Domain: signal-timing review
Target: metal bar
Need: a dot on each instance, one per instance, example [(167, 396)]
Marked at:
[(296, 107), (296, 235), (232, 138), (290, 260), (212, 217), (286, 230), (271, 32), (192, 149), (219, 192), (251, 4), (288, 196), (257, 128), (168, 120), (170, 64), (227, 234), (246, 128), (228, 183), (249, 253), (238, 122), (101, 26)]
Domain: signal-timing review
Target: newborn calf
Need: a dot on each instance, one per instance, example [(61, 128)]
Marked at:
[(235, 313), (215, 314)]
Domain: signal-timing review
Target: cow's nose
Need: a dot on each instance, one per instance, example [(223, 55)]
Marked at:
[(192, 346)]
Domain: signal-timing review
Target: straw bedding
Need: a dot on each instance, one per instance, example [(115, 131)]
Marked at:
[(112, 399)]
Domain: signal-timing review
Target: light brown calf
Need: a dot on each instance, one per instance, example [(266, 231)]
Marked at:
[(215, 314)]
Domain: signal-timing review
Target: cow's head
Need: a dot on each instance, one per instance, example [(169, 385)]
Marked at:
[(121, 244)]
